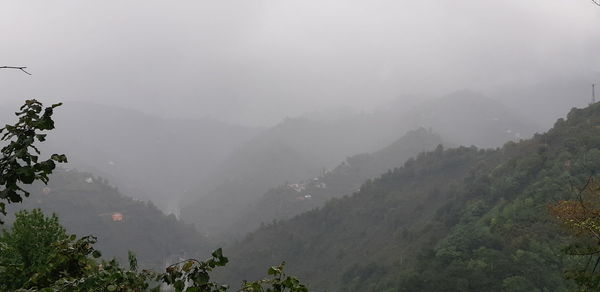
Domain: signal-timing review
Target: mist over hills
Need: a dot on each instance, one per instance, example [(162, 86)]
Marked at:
[(461, 219), (221, 171), (462, 117), (544, 100), (370, 146), (301, 148), (148, 157), (399, 230), (288, 200)]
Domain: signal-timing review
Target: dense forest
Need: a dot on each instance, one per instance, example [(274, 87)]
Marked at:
[(459, 219)]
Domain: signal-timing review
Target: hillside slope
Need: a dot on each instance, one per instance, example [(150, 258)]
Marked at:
[(290, 199), (451, 220), (88, 205), (301, 148)]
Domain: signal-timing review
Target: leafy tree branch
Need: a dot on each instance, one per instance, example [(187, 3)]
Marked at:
[(20, 161)]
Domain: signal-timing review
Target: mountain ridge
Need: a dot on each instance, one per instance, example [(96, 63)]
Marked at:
[(301, 148), (460, 219)]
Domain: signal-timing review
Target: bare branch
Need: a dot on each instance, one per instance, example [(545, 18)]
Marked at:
[(18, 68), (597, 2), (585, 188), (596, 265)]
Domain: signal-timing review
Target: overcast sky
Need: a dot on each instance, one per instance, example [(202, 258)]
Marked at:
[(257, 61)]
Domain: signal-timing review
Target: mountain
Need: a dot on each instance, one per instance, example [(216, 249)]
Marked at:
[(88, 205), (291, 151), (290, 199), (148, 157), (461, 219), (301, 148)]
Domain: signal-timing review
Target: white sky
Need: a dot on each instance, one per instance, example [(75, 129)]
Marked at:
[(257, 61)]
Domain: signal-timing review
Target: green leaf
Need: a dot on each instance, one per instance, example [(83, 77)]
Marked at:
[(274, 271), (179, 285), (187, 266), (61, 158), (26, 174), (218, 253)]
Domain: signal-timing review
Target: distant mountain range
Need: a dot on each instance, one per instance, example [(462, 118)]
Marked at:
[(291, 199), (459, 219), (301, 148)]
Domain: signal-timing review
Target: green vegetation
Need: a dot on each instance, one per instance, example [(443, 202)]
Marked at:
[(20, 162), (28, 247), (37, 255), (128, 147), (87, 205), (290, 200), (301, 148), (460, 219), (581, 216), (450, 220)]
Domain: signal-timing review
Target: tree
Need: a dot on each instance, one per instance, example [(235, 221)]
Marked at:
[(581, 217), (26, 249), (20, 162), (279, 282), (37, 255)]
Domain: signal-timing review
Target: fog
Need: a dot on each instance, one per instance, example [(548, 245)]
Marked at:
[(233, 98), (257, 62), (380, 145)]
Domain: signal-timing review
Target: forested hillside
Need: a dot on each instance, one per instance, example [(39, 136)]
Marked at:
[(301, 148), (296, 146), (292, 199), (88, 205), (294, 150), (460, 219)]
